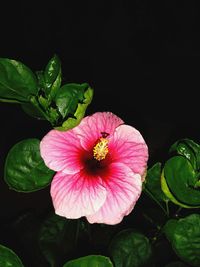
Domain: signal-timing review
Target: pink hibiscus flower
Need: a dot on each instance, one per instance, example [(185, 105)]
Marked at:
[(100, 167)]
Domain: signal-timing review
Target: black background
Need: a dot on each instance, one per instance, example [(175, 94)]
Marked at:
[(141, 58)]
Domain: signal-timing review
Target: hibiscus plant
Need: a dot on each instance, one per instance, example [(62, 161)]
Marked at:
[(110, 208)]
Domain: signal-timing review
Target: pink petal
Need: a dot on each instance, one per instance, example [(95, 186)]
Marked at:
[(61, 151), (123, 190), (128, 146), (91, 127), (77, 195)]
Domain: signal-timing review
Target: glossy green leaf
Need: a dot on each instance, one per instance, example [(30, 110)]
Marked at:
[(43, 102), (57, 238), (168, 193), (49, 82), (181, 178), (8, 258), (153, 182), (32, 111), (130, 248), (17, 81), (52, 77), (90, 261), (79, 113), (41, 81), (184, 235), (54, 115), (25, 170), (189, 149), (68, 97)]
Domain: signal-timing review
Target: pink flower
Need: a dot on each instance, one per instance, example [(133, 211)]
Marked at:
[(100, 164)]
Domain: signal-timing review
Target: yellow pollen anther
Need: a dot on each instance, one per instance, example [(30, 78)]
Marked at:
[(101, 149)]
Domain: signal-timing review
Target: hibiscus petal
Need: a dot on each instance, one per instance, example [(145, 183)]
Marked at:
[(128, 146), (61, 151), (77, 195), (91, 127), (123, 190)]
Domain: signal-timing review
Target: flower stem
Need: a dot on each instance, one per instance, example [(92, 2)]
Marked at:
[(167, 207), (157, 202)]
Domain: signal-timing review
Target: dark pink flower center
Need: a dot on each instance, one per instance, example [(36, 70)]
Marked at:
[(94, 165)]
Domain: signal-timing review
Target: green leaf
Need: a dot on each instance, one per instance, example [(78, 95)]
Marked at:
[(153, 182), (168, 193), (25, 170), (169, 228), (52, 77), (54, 115), (90, 261), (57, 238), (8, 258), (76, 117), (17, 81), (185, 238), (41, 81), (32, 111), (68, 97), (130, 248), (181, 178), (43, 102), (189, 149)]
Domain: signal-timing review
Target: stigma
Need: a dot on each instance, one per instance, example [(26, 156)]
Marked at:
[(100, 150)]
